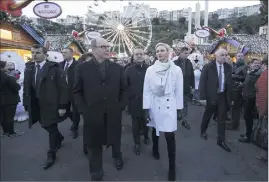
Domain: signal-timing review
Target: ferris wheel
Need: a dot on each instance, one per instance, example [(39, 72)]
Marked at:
[(125, 28)]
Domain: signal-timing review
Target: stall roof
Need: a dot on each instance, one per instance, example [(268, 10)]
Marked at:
[(33, 34), (253, 43), (58, 41)]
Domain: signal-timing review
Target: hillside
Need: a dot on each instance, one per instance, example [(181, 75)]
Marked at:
[(166, 31)]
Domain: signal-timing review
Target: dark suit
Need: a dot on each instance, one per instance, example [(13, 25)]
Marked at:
[(208, 86), (99, 94), (44, 97), (188, 76), (135, 75), (70, 75)]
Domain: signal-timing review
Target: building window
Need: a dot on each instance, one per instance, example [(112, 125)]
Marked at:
[(5, 34)]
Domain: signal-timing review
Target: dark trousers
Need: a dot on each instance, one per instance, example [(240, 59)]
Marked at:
[(171, 146), (95, 157), (137, 125), (7, 114), (236, 110), (249, 106), (95, 154), (54, 138), (73, 115), (220, 108)]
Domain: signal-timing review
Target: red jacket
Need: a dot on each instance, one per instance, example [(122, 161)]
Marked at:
[(262, 93)]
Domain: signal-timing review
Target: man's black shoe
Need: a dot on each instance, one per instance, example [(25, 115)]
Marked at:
[(244, 140), (97, 176), (119, 163), (186, 125), (49, 162), (204, 136), (223, 145)]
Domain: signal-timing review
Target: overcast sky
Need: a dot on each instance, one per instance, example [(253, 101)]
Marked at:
[(79, 8)]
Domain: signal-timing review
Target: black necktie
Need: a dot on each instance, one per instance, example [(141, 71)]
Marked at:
[(220, 78), (66, 67), (37, 78)]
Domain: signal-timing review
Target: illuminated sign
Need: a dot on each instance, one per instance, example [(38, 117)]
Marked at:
[(6, 34)]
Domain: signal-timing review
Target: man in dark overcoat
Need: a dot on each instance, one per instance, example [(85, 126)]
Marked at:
[(215, 87), (99, 94), (188, 75), (134, 77), (69, 65), (239, 72), (45, 96)]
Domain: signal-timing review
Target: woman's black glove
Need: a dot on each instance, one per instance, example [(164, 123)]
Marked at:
[(26, 108), (147, 116)]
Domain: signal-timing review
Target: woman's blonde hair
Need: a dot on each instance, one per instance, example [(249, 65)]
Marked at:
[(163, 44)]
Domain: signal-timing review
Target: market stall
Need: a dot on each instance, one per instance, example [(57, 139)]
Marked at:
[(19, 39)]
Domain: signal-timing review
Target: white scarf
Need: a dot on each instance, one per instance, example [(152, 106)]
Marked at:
[(163, 77)]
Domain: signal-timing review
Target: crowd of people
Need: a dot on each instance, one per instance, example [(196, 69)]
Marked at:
[(156, 92)]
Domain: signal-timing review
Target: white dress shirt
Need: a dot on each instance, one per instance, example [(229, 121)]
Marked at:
[(69, 63), (223, 75), (41, 65)]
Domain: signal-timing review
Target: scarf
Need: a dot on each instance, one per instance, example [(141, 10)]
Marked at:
[(163, 77)]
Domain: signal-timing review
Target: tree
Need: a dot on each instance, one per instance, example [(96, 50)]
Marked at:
[(215, 16), (182, 20), (156, 21), (170, 23), (264, 12), (163, 21)]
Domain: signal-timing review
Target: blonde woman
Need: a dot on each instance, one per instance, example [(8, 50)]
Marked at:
[(162, 99)]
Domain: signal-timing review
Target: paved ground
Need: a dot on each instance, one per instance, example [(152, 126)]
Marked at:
[(197, 160)]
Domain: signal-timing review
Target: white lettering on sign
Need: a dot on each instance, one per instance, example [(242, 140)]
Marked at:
[(47, 10)]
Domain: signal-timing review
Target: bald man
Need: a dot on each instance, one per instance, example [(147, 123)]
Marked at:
[(215, 87), (99, 95)]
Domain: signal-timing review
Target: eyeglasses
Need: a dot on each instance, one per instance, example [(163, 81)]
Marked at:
[(139, 54)]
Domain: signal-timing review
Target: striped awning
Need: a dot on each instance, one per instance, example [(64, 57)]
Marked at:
[(33, 34)]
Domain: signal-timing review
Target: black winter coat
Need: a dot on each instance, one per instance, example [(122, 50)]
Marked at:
[(134, 77), (96, 96), (9, 90), (249, 89), (239, 73), (188, 74), (53, 93), (209, 83)]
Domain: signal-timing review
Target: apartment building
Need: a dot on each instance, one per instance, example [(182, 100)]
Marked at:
[(153, 13), (165, 14)]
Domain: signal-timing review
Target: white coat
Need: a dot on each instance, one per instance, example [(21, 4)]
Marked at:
[(163, 109)]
